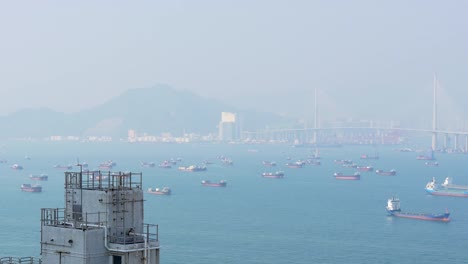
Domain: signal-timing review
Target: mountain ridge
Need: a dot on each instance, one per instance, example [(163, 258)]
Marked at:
[(153, 110)]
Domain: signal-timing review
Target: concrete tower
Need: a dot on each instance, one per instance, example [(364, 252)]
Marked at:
[(102, 222)]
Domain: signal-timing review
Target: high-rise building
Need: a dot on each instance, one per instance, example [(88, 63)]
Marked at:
[(228, 127)]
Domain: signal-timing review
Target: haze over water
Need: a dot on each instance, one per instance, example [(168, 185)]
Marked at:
[(306, 217)]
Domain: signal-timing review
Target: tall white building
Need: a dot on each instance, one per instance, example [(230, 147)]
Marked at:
[(228, 127)]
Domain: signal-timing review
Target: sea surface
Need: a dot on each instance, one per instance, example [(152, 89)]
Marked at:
[(306, 217)]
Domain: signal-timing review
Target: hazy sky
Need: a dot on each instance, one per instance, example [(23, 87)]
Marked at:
[(367, 58)]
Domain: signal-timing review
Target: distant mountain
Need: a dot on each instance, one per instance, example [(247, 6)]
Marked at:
[(151, 110)]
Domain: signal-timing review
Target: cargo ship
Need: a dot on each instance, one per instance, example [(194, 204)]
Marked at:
[(433, 188), (269, 163), (276, 175), (364, 168), (431, 163), (165, 165), (25, 187), (429, 156), (449, 185), (365, 156), (16, 167), (192, 168), (66, 167), (386, 173), (221, 183), (340, 176), (42, 177), (146, 164), (163, 191), (294, 165), (393, 209)]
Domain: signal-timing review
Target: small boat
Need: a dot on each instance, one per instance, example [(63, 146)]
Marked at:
[(364, 168), (433, 188), (146, 164), (16, 167), (207, 162), (294, 165), (449, 185), (163, 191), (386, 173), (25, 187), (340, 176), (269, 163), (42, 177), (393, 209), (192, 168), (221, 183), (276, 175), (66, 167)]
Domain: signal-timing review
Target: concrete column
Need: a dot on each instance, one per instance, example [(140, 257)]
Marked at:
[(455, 142)]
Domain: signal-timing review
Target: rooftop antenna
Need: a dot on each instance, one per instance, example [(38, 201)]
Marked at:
[(79, 164)]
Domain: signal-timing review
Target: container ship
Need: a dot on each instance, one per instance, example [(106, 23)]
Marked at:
[(434, 189), (393, 209)]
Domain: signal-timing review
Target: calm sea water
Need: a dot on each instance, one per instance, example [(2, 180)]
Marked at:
[(306, 217)]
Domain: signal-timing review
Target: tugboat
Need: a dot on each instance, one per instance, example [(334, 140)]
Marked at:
[(433, 189), (340, 176), (386, 173), (26, 187), (393, 209), (276, 175), (221, 183), (163, 191)]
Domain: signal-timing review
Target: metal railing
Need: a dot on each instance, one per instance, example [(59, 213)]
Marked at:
[(25, 260), (150, 233), (57, 217), (103, 180)]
